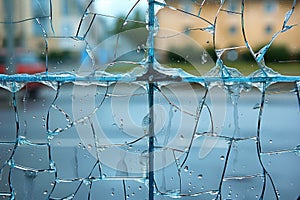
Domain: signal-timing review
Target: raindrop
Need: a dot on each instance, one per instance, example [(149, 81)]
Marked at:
[(270, 141), (256, 106), (181, 137), (210, 29), (150, 78), (200, 176), (297, 150), (140, 187), (45, 192), (204, 58), (186, 168), (112, 194), (277, 192), (222, 157)]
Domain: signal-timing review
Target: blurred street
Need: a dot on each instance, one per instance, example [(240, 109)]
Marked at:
[(74, 155)]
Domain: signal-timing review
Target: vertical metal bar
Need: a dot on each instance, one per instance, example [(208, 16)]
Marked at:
[(151, 32), (151, 100), (151, 142)]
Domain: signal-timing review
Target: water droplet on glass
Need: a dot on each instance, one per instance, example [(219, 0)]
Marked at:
[(222, 157), (270, 141), (140, 187), (210, 29), (181, 137), (256, 106), (112, 193), (45, 192), (186, 168), (297, 150), (204, 58), (150, 78), (200, 176)]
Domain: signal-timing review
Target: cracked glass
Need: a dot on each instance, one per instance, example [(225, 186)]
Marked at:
[(157, 99)]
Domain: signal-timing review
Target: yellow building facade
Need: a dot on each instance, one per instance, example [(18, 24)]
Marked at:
[(262, 19)]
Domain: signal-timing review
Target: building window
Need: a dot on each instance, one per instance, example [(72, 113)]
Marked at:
[(186, 6), (232, 55), (41, 11), (232, 6), (187, 30), (268, 29), (232, 30), (270, 6), (72, 7)]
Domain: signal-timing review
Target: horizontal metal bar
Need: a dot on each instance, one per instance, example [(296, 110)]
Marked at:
[(69, 77)]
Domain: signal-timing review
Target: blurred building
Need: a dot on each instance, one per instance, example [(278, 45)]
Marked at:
[(30, 17), (263, 18)]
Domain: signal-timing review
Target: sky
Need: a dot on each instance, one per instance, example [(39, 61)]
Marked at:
[(118, 7)]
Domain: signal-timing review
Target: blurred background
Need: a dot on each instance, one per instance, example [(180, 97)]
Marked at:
[(44, 156), (33, 20)]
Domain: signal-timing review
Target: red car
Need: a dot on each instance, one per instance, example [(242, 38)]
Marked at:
[(25, 64)]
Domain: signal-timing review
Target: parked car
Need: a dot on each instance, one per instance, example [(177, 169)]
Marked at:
[(25, 63), (2, 64)]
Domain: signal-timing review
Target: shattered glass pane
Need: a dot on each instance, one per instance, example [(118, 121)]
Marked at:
[(157, 99)]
